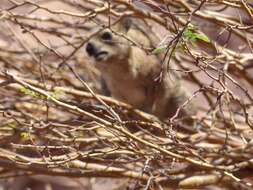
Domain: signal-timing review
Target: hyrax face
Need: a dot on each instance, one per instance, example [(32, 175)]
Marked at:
[(109, 47), (114, 45)]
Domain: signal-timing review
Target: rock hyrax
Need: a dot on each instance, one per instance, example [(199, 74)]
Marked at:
[(130, 72)]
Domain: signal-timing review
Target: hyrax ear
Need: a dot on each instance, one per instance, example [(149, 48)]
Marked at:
[(126, 23)]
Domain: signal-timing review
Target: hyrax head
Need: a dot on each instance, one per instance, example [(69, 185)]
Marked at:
[(109, 45)]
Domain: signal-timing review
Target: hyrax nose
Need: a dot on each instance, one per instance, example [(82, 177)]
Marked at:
[(91, 49)]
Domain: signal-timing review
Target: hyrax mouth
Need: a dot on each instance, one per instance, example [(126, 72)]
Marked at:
[(93, 51), (101, 55)]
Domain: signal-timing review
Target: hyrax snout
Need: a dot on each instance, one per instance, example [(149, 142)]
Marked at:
[(130, 72), (96, 52)]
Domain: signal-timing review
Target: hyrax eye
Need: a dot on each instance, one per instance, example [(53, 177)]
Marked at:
[(107, 36)]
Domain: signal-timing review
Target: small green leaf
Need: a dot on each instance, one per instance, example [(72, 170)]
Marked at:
[(12, 125), (190, 34), (159, 50), (24, 136), (31, 93), (23, 90), (57, 93), (203, 38)]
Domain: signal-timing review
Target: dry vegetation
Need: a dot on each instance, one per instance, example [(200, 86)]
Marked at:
[(53, 122)]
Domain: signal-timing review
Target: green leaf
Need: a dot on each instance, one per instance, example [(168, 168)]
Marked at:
[(159, 50), (12, 125), (57, 93), (203, 38), (190, 34), (31, 93), (24, 136)]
